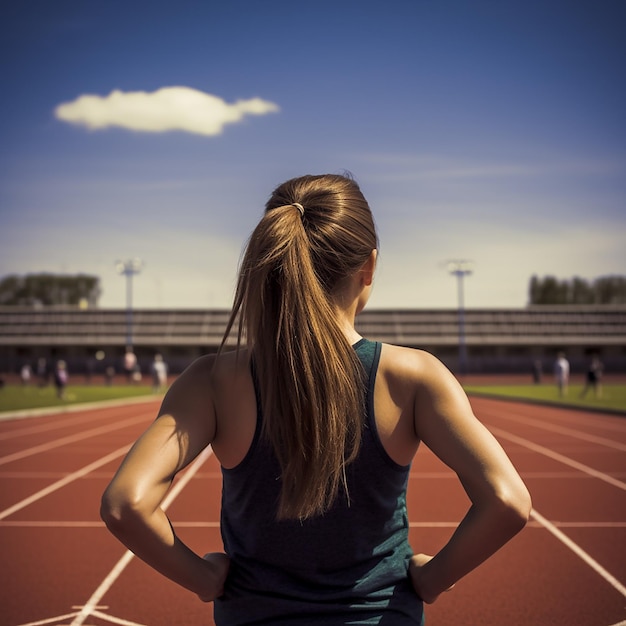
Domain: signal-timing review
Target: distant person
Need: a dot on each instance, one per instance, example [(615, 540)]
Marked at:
[(137, 375), (593, 378), (561, 374), (60, 379), (315, 428), (109, 375), (25, 374), (537, 371), (90, 368), (42, 371), (158, 369), (130, 364)]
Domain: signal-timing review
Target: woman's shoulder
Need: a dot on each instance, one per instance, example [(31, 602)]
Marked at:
[(219, 363), (207, 371), (432, 384), (418, 368), (403, 361)]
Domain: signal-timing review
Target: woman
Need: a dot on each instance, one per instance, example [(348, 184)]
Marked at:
[(315, 429)]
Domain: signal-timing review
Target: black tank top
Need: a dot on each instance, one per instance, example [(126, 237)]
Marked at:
[(348, 566)]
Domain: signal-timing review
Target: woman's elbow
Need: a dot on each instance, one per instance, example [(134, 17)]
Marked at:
[(116, 509), (110, 510), (516, 508)]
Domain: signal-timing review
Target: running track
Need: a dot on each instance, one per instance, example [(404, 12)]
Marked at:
[(61, 566)]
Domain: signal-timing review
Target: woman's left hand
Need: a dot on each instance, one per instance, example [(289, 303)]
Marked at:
[(219, 564)]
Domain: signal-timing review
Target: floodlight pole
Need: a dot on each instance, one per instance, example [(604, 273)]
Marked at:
[(129, 268), (461, 269)]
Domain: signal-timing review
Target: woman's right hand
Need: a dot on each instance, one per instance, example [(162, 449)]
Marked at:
[(416, 574)]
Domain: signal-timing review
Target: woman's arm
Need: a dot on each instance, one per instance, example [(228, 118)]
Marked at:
[(501, 504), (131, 504)]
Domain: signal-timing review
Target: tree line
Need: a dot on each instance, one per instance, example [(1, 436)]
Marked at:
[(602, 290), (49, 289), (45, 289)]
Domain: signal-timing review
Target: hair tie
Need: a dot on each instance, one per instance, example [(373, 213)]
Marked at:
[(299, 207)]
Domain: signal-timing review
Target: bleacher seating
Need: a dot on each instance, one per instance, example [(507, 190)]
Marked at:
[(492, 334)]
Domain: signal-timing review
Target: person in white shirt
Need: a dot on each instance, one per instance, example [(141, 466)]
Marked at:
[(561, 373)]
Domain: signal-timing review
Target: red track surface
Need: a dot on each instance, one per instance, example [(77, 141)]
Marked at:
[(61, 566)]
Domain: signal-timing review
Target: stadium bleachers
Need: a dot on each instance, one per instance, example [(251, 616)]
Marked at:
[(496, 339)]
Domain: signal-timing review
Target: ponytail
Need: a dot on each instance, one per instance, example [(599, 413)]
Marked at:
[(309, 377)]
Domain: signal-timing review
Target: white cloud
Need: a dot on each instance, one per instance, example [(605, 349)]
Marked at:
[(167, 109)]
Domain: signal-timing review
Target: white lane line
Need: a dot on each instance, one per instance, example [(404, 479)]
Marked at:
[(560, 474), (64, 481), (50, 620), (576, 549), (564, 430), (96, 613), (6, 416), (590, 524), (557, 457), (43, 428), (59, 421), (22, 475), (48, 475), (65, 421), (114, 574), (50, 524), (57, 443), (572, 418), (417, 475)]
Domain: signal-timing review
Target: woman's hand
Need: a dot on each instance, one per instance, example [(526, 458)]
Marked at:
[(218, 563), (416, 574)]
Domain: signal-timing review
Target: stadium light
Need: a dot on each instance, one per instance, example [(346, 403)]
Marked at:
[(461, 269), (129, 268)]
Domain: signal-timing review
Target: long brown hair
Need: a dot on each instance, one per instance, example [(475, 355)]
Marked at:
[(316, 232)]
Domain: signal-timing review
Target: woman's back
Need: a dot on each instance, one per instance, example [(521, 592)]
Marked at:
[(233, 394)]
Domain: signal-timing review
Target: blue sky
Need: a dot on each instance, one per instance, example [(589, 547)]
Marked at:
[(492, 131)]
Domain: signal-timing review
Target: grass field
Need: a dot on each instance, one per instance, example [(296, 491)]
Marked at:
[(17, 397), (613, 396)]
